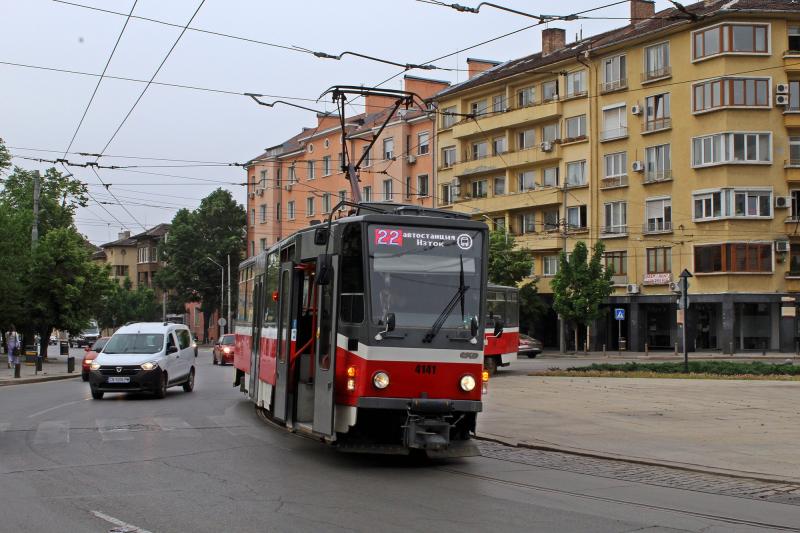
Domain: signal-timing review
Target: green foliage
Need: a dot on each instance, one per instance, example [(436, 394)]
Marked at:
[(721, 368), (581, 284), (5, 157), (123, 304)]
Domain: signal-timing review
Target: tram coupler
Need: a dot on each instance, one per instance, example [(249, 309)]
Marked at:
[(426, 433)]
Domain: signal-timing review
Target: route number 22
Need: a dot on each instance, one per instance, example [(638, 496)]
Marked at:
[(389, 237)]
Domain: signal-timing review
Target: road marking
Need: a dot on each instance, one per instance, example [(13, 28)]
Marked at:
[(37, 413), (113, 429), (124, 526), (178, 426), (52, 432)]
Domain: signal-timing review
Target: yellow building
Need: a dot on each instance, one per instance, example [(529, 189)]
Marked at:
[(675, 140)]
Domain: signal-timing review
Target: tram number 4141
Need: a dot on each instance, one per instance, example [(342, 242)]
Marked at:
[(425, 369)]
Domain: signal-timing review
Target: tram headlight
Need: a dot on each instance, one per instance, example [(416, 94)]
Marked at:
[(380, 380), (467, 383)]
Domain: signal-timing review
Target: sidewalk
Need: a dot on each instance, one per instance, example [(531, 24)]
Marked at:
[(55, 369), (669, 355), (745, 428)]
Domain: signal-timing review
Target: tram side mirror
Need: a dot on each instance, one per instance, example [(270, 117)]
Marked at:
[(498, 327), (321, 236), (390, 321), (324, 269), (473, 326)]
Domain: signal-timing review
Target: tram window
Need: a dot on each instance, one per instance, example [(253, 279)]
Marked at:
[(325, 321), (270, 287), (495, 307), (351, 301), (285, 302), (512, 310)]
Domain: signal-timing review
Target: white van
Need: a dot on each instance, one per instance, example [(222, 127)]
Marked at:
[(145, 356)]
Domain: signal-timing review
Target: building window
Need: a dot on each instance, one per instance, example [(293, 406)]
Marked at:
[(477, 108), (263, 181), (658, 215), (292, 175), (499, 185), (366, 155), (144, 255), (388, 148), (733, 257), (446, 197), (576, 173), (423, 143), (550, 91), (310, 206), (550, 177), (727, 148), (422, 185), (615, 169), (615, 122), (121, 270), (408, 186), (730, 38), (499, 223), (576, 83), (262, 244), (367, 194), (498, 145), (550, 132), (730, 92), (479, 150), (794, 96), (549, 265), (290, 210), (576, 217), (794, 259), (657, 163), (342, 198), (526, 181), (752, 203), (616, 218), (657, 112), (707, 206), (526, 139), (794, 38), (449, 117), (498, 103), (526, 96), (253, 217), (576, 127), (659, 260), (311, 175), (326, 203), (278, 211), (551, 219), (794, 151), (479, 189), (656, 61), (263, 213), (614, 73), (252, 249), (617, 262), (527, 223), (387, 190), (448, 156), (326, 165)]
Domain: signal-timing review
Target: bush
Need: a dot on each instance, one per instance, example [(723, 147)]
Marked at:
[(721, 368)]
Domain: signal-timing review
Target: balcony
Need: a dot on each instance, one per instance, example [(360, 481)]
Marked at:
[(656, 75), (657, 176), (791, 117), (511, 118), (614, 134), (523, 200), (657, 226), (791, 61), (505, 160), (551, 240), (659, 124), (614, 182), (619, 281), (792, 281), (613, 232), (613, 86), (792, 167)]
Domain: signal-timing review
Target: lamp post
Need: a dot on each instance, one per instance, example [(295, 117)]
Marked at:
[(221, 291), (685, 275)]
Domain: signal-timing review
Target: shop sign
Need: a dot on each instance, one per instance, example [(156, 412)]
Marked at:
[(662, 278)]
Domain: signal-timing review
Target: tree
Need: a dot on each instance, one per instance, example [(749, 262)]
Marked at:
[(512, 267), (122, 304), (581, 285), (216, 229)]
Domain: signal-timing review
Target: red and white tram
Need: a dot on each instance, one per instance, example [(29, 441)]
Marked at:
[(502, 327), (365, 331)]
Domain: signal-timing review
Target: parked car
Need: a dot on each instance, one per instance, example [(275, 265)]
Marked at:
[(91, 355), (144, 357), (529, 346), (224, 350)]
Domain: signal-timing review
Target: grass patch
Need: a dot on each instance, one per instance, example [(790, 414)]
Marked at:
[(755, 370)]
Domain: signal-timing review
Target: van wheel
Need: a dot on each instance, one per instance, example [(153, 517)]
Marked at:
[(189, 385), (490, 364), (161, 391), (97, 395)]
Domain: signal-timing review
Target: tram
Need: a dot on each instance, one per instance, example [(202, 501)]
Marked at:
[(365, 332), (501, 327)]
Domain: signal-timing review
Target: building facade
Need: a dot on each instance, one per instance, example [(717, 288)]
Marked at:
[(675, 140), (134, 257)]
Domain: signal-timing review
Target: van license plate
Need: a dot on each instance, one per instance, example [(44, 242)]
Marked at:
[(119, 379)]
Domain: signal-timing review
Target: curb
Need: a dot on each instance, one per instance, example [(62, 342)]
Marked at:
[(37, 379), (689, 467)]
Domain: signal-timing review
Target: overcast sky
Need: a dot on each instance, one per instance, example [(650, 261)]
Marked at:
[(41, 109)]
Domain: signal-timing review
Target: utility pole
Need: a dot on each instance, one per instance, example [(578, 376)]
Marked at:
[(685, 275), (228, 325), (221, 294), (562, 330), (164, 305), (37, 191)]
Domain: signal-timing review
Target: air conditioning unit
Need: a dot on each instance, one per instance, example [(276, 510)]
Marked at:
[(251, 195), (547, 146), (636, 110), (638, 166), (412, 159), (782, 99), (783, 202), (675, 287), (782, 246), (632, 288), (781, 88), (288, 187), (260, 192)]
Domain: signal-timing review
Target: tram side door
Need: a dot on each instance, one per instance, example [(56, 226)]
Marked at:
[(255, 335), (324, 393), (287, 311)]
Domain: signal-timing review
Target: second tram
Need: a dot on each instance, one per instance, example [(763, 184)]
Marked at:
[(502, 327)]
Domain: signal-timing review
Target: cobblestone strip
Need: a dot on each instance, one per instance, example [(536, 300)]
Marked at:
[(652, 475)]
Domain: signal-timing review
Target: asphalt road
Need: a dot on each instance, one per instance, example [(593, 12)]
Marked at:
[(204, 461)]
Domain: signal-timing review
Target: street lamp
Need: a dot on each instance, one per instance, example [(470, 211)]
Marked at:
[(221, 291), (684, 305)]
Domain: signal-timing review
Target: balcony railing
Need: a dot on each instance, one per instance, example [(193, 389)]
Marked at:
[(657, 74), (614, 85), (792, 163), (656, 176), (613, 182), (657, 125), (617, 133), (657, 226), (614, 231)]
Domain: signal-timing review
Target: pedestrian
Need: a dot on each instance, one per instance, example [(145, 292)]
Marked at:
[(13, 343)]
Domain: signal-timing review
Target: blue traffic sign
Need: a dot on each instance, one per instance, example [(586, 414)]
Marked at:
[(619, 314)]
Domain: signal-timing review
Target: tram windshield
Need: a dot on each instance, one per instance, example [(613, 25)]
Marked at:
[(416, 271)]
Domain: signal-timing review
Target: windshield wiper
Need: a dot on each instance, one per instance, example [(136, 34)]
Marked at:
[(459, 295)]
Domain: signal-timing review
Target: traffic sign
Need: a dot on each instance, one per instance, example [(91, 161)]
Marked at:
[(619, 314), (222, 322)]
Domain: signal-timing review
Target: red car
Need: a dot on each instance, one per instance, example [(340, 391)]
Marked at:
[(91, 355), (224, 350)]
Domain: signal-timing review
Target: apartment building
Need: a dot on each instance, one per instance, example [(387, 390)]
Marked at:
[(675, 140), (134, 257), (301, 180)]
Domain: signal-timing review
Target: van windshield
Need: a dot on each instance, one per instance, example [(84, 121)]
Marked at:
[(134, 343)]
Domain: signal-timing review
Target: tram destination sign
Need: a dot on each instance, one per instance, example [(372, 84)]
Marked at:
[(421, 238)]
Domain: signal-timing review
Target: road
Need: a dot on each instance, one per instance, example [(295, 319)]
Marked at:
[(204, 461)]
